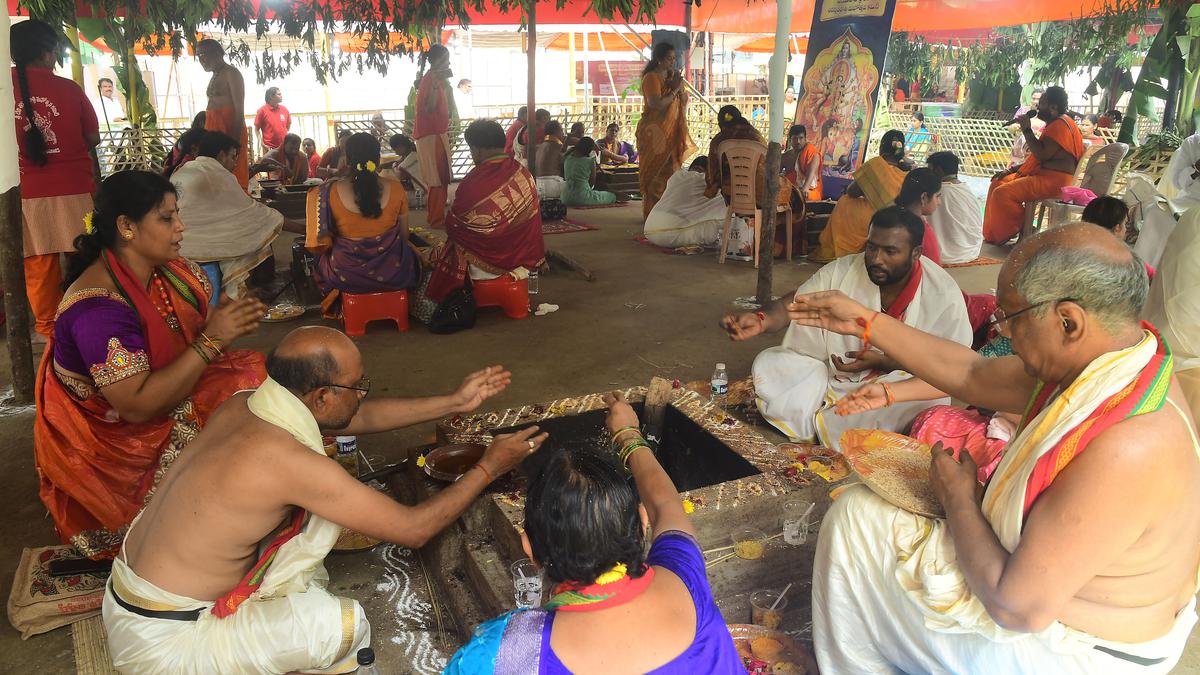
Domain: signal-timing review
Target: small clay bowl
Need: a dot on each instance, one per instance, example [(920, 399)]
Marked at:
[(450, 462)]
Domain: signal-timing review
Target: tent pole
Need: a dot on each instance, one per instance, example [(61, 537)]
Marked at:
[(587, 66), (531, 94), (611, 83), (777, 79), (571, 64)]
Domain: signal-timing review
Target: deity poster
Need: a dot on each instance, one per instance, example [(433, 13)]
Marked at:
[(846, 51)]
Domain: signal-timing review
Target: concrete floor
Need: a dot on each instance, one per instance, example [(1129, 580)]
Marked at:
[(645, 314)]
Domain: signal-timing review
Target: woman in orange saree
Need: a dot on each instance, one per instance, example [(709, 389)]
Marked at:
[(662, 134), (135, 366)]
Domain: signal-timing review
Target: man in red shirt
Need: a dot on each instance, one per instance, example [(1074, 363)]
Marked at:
[(273, 121)]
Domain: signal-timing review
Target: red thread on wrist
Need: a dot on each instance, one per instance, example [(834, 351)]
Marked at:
[(487, 473)]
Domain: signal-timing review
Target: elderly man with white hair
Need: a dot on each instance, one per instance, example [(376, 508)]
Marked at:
[(1081, 553)]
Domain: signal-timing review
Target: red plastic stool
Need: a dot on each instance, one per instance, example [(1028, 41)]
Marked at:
[(358, 309), (511, 295)]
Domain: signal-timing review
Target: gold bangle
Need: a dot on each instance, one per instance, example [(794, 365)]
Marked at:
[(200, 352)]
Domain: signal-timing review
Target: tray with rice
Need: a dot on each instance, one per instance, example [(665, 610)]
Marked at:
[(770, 652), (895, 467)]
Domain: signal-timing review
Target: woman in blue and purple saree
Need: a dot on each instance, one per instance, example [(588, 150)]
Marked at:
[(633, 611), (358, 228)]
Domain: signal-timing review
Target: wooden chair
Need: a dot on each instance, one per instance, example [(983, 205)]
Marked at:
[(1097, 176), (745, 160)]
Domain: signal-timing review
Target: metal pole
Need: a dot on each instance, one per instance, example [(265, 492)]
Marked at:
[(777, 79), (531, 94)]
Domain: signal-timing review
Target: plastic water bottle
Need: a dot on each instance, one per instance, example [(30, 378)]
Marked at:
[(533, 282), (720, 386), (366, 662), (347, 453)]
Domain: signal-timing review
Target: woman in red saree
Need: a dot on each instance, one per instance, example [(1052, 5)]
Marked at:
[(495, 223), (135, 366)]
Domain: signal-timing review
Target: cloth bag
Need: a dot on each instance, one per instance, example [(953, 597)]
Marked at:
[(39, 603)]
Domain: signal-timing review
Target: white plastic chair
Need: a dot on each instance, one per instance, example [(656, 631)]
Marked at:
[(745, 160)]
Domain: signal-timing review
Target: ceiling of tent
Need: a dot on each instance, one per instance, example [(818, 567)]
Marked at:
[(758, 16)]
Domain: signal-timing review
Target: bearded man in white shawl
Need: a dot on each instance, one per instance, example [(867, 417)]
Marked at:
[(958, 220), (798, 383), (686, 217), (1081, 553), (223, 571), (1181, 181), (224, 224)]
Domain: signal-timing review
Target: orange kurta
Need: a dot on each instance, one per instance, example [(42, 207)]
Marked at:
[(807, 155), (1005, 211)]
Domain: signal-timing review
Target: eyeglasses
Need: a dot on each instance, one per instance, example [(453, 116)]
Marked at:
[(363, 386), (1002, 318)]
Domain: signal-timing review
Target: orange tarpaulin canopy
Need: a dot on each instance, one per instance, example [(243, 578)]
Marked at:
[(766, 45), (604, 41), (350, 43), (911, 15)]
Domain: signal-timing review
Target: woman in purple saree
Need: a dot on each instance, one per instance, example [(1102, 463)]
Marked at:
[(651, 614), (358, 228)]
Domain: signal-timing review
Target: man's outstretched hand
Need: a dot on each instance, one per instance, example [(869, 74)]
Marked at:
[(479, 387), (742, 325), (830, 310), (509, 450), (864, 361)]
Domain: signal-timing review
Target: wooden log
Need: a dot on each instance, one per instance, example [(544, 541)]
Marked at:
[(766, 243), (570, 263), (16, 300), (658, 395)]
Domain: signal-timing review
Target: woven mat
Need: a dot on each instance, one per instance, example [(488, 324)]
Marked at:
[(91, 648), (565, 225), (981, 260)]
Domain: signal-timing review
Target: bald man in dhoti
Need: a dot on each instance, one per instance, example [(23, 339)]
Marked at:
[(798, 382), (223, 571), (1081, 553)]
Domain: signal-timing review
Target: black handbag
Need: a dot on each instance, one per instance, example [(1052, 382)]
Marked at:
[(455, 313)]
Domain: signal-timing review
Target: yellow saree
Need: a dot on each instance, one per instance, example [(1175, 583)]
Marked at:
[(662, 142), (846, 233)]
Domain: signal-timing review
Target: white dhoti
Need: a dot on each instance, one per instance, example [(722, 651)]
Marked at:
[(685, 217), (796, 394), (796, 384), (958, 224), (864, 620), (1173, 305), (223, 224), (288, 623), (1179, 182), (889, 596), (313, 632)]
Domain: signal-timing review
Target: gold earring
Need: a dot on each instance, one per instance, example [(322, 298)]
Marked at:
[(127, 235)]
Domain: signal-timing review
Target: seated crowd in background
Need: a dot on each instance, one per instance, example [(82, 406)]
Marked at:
[(286, 163), (613, 150), (579, 172)]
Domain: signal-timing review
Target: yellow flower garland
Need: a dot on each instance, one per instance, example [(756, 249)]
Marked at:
[(88, 227)]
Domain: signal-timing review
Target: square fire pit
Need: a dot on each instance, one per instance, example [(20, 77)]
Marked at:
[(728, 473)]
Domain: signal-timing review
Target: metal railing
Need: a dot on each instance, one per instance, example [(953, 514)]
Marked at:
[(981, 143)]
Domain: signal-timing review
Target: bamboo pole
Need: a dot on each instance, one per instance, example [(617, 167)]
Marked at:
[(531, 89)]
